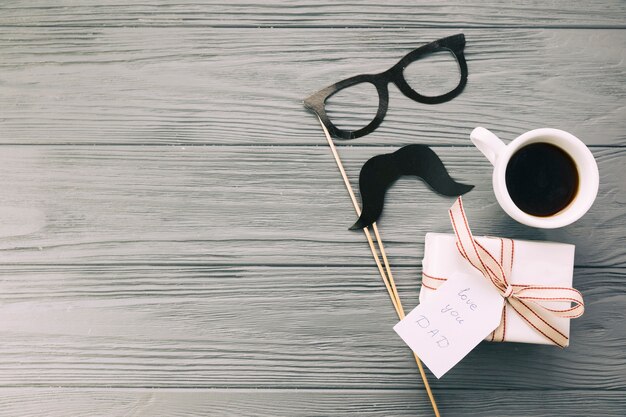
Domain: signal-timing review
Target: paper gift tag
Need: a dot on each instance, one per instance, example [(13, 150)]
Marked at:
[(447, 326)]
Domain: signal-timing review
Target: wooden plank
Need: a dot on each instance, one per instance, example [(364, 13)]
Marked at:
[(253, 205), (300, 13), (293, 403), (271, 327), (246, 86)]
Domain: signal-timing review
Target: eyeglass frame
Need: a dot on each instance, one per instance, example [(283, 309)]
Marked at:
[(317, 101)]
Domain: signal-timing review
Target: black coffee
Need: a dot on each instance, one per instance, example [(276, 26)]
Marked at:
[(542, 179)]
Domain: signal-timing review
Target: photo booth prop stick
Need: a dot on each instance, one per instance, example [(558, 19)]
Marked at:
[(380, 172), (317, 103), (453, 44), (385, 274)]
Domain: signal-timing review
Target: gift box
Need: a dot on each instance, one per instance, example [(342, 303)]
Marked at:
[(533, 267)]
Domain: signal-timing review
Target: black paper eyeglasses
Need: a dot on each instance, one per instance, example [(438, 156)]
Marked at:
[(317, 102)]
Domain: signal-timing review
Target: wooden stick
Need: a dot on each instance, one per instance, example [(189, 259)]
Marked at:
[(388, 277)]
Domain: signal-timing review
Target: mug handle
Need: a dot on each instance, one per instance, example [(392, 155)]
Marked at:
[(489, 144)]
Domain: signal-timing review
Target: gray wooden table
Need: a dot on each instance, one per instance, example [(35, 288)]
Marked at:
[(173, 230)]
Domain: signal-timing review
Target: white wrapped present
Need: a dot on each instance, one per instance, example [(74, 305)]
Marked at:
[(534, 277)]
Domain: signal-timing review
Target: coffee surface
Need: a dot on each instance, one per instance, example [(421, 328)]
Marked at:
[(541, 179)]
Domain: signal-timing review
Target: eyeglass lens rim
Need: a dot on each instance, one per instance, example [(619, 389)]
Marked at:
[(455, 44)]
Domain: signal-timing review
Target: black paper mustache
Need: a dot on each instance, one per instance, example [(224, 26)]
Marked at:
[(381, 171)]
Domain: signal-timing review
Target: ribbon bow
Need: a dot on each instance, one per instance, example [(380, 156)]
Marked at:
[(534, 303)]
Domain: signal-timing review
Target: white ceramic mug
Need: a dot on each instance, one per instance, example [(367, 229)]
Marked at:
[(499, 155)]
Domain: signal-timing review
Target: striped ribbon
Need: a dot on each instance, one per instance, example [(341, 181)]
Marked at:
[(534, 303)]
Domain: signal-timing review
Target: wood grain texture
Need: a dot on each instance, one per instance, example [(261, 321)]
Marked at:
[(216, 276), (269, 327), (300, 13), (253, 205), (296, 403), (246, 86)]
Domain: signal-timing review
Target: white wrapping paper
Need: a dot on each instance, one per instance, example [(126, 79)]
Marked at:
[(541, 263)]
